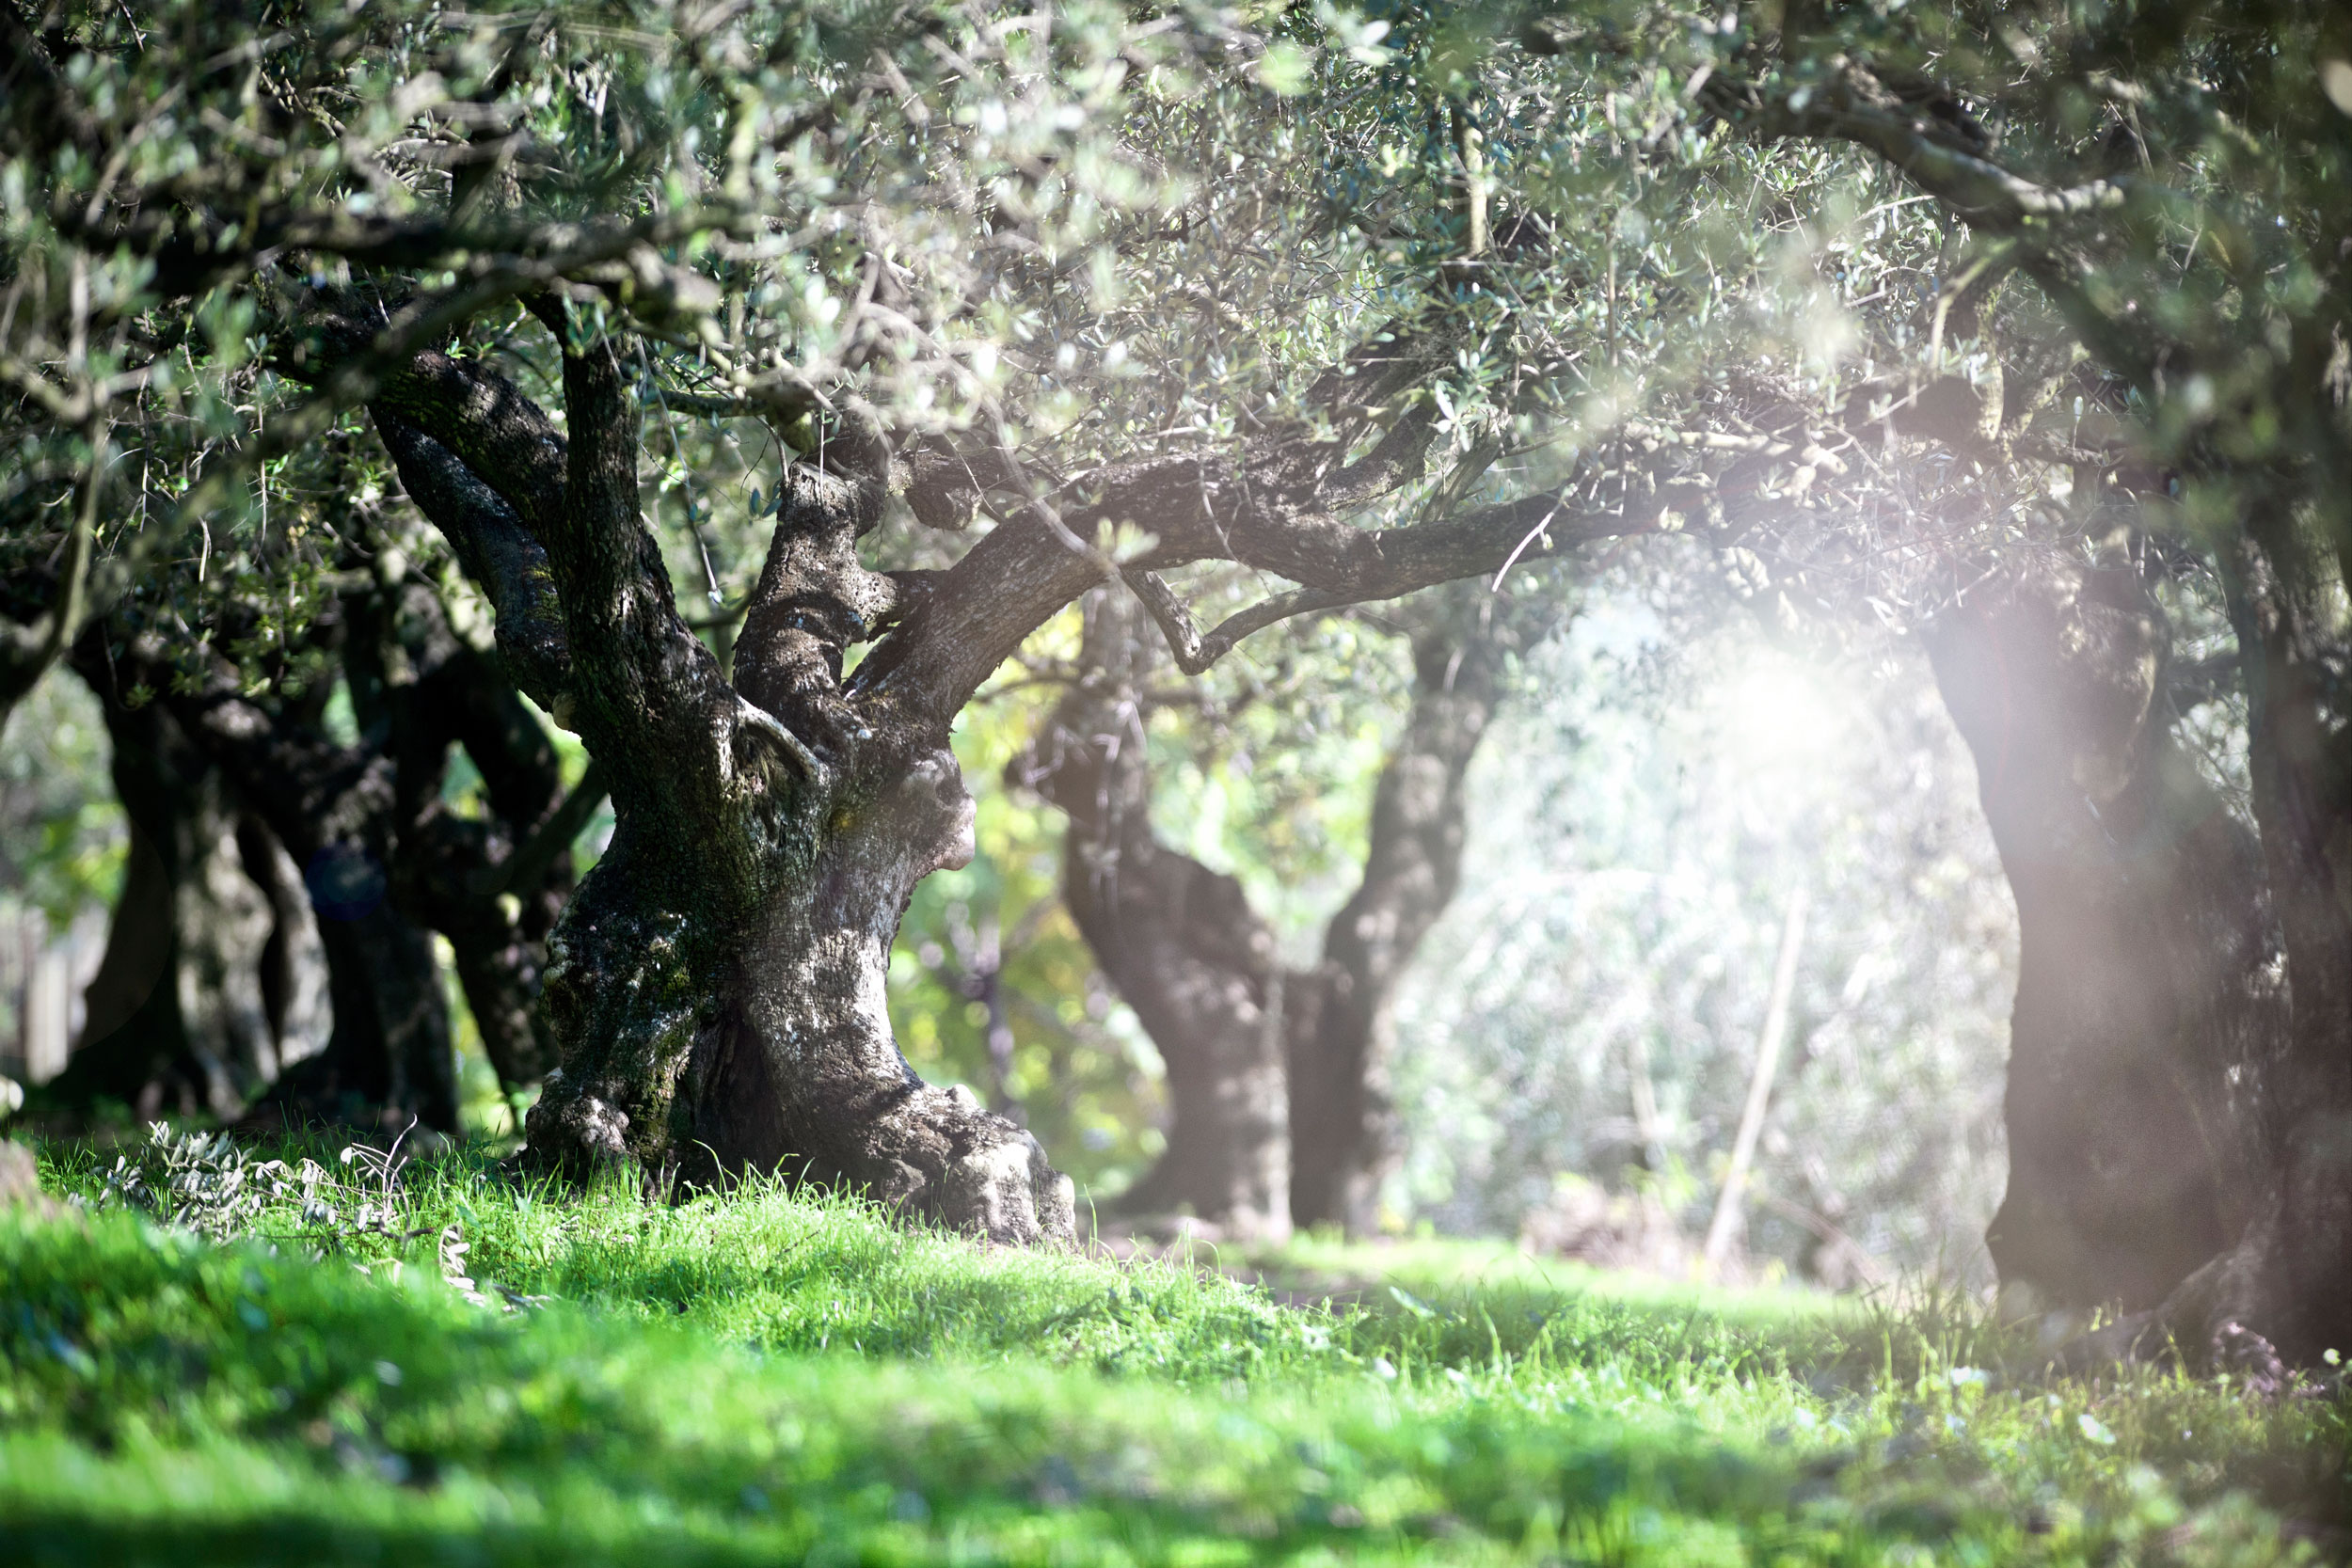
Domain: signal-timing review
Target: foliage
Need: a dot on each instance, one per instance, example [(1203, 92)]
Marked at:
[(208, 1184), (769, 1375), (1098, 242), (62, 839), (1268, 765), (1656, 797), (990, 947)]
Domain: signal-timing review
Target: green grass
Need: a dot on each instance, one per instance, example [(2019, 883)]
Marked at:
[(775, 1377)]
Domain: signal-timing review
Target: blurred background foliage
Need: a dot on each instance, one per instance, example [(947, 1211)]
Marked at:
[(62, 839), (1590, 1006)]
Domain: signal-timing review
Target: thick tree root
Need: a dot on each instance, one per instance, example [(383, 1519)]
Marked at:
[(2263, 1312), (996, 1182), (933, 1154)]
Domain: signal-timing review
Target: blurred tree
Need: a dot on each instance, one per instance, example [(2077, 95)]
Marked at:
[(212, 975), (2150, 994), (1178, 940), (275, 860), (1279, 1111), (2167, 176), (992, 985), (63, 845), (1344, 1143)]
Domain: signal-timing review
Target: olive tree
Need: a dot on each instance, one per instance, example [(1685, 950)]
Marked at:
[(526, 243), (2165, 179)]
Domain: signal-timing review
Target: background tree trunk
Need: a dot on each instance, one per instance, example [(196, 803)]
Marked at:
[(212, 975), (1178, 940), (2283, 1295), (348, 858), (1278, 1082), (493, 885), (294, 979), (2149, 1010), (392, 862), (391, 1055), (1343, 1134)]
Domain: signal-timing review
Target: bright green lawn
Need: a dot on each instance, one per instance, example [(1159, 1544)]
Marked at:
[(770, 1377)]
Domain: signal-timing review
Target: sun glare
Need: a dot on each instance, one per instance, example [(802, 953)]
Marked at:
[(1781, 720)]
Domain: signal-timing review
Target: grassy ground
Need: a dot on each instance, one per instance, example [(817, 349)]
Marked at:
[(769, 1377)]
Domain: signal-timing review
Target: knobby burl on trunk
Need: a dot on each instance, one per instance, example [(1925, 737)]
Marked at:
[(716, 987), (1278, 1079), (2150, 1002)]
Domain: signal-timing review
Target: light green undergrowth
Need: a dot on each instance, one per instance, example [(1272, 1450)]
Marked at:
[(772, 1376)]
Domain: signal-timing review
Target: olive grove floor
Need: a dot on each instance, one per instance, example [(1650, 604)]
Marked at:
[(338, 1363)]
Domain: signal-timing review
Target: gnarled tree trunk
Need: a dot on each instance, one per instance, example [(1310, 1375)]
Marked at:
[(2149, 1005), (1343, 1135), (1278, 1082), (1178, 940), (388, 864), (717, 986), (211, 976), (381, 1043), (389, 1056)]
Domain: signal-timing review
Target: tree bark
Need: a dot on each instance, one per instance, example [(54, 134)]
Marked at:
[(2149, 1009), (1278, 1082), (211, 976), (717, 986), (2283, 1295), (1178, 940)]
